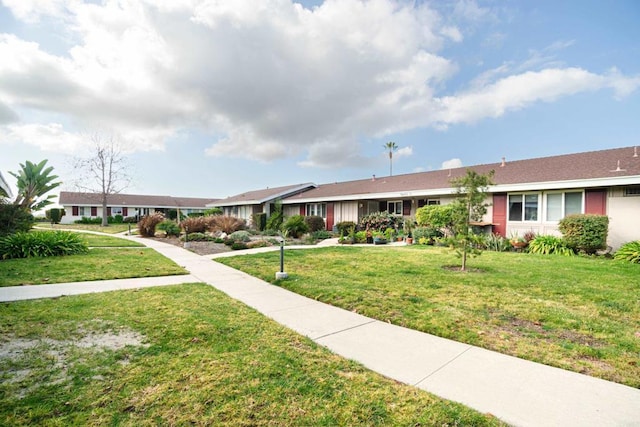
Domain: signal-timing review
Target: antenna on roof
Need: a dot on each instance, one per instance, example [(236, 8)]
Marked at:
[(618, 168)]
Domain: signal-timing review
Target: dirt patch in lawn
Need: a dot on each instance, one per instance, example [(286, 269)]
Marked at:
[(24, 362)]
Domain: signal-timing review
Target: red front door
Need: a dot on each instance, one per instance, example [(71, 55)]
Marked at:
[(500, 214)]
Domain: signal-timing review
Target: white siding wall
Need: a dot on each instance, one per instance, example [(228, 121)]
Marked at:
[(624, 220), (345, 211), (290, 210)]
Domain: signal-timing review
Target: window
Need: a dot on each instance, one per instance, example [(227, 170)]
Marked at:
[(316, 209), (433, 202), (632, 191), (523, 207), (116, 211), (395, 207), (560, 205)]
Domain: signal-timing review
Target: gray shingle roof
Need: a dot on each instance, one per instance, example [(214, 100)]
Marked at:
[(258, 197), (68, 198), (565, 168)]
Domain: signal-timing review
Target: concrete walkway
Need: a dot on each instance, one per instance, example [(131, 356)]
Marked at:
[(518, 392)]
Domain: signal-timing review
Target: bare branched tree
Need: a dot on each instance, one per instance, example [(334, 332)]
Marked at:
[(105, 171)]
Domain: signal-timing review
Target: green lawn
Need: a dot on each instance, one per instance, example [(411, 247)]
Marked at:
[(193, 357), (581, 314), (97, 240), (110, 229), (98, 264)]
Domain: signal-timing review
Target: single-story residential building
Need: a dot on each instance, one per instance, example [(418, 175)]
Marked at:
[(528, 195), (244, 205), (78, 205), (5, 190)]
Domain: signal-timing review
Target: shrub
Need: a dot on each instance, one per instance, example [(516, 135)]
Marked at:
[(197, 237), (629, 252), (226, 224), (258, 244), (118, 219), (147, 224), (213, 212), (86, 220), (240, 236), (41, 244), (547, 245), (14, 219), (198, 224), (429, 234), (436, 216), (585, 233), (236, 246), (259, 221), (169, 227), (295, 226), (344, 227), (54, 215), (497, 243), (321, 235), (315, 223), (360, 237), (275, 220), (380, 221), (130, 220)]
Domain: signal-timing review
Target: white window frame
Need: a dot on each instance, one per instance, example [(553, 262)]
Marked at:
[(563, 210), (316, 209), (395, 204), (116, 210), (524, 207), (84, 211)]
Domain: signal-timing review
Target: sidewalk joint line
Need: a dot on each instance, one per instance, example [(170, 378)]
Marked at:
[(443, 366), (344, 330)]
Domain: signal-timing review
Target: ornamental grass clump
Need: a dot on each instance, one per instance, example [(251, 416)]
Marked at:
[(147, 224), (227, 224), (41, 244), (549, 245), (629, 252)]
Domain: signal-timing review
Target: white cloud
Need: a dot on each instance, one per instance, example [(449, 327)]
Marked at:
[(404, 152), (270, 79), (50, 137), (451, 164)]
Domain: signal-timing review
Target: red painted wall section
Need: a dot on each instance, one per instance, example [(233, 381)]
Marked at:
[(595, 202), (499, 219), (330, 216)]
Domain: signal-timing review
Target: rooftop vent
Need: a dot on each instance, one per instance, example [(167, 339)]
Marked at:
[(635, 151), (373, 178), (617, 169), (504, 162)]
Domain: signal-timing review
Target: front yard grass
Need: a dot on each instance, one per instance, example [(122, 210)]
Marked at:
[(97, 240), (110, 229), (576, 313), (97, 264), (188, 355)]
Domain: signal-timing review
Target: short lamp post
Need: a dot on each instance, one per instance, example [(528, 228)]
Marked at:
[(281, 274)]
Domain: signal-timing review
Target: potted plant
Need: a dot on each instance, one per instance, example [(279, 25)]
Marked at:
[(379, 238), (518, 242)]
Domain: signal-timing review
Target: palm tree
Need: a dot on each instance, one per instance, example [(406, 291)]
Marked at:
[(34, 181), (391, 146)]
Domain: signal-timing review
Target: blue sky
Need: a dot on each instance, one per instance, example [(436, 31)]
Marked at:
[(213, 98)]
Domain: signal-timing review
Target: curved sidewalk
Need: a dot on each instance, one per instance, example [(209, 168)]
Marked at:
[(518, 392)]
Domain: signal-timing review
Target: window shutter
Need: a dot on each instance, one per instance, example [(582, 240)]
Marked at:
[(125, 211), (383, 206), (421, 203), (108, 211), (302, 210), (94, 211), (74, 210), (406, 207)]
